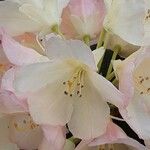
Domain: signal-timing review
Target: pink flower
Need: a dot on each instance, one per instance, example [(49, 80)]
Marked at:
[(134, 82), (83, 17), (114, 138), (17, 127), (16, 107)]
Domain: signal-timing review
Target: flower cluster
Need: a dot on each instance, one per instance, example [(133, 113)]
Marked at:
[(53, 93)]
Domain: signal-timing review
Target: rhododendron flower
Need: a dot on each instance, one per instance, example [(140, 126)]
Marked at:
[(113, 139), (129, 20), (18, 126), (31, 16), (68, 90), (83, 17), (24, 56), (133, 74)]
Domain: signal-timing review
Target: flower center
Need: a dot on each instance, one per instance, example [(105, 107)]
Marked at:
[(142, 84), (22, 123), (76, 83)]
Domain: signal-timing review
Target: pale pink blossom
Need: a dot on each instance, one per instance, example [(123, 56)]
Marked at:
[(129, 20), (15, 105), (113, 139), (67, 89), (19, 128), (133, 74), (83, 17), (31, 16)]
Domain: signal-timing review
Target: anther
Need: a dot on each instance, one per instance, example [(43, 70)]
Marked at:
[(141, 81), (80, 95), (147, 78), (141, 93), (64, 83), (24, 121), (70, 95), (148, 90), (65, 92), (78, 92)]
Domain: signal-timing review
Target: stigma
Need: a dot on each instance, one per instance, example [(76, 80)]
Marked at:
[(75, 84)]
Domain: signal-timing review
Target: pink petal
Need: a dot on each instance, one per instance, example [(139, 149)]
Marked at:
[(29, 40), (18, 54), (83, 17), (114, 134), (7, 84), (9, 103), (54, 138)]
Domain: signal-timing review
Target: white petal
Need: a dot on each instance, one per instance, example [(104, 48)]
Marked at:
[(4, 136), (123, 15), (90, 115), (50, 105), (98, 54), (5, 143), (15, 22), (53, 9), (59, 48), (35, 14), (37, 3), (33, 77), (137, 115), (107, 90)]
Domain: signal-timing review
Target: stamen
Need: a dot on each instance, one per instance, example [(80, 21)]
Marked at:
[(75, 83), (22, 125), (65, 92)]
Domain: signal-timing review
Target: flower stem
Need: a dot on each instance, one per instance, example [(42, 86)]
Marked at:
[(86, 39), (114, 81), (101, 38), (117, 48), (106, 40), (110, 76)]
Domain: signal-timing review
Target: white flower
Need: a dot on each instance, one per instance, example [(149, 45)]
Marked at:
[(30, 15), (68, 90), (129, 19)]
